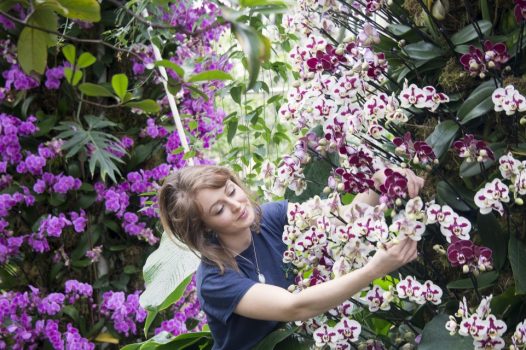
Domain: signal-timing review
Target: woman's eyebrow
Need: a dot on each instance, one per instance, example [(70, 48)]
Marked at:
[(216, 202)]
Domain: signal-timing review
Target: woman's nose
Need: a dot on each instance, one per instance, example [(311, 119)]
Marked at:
[(236, 205)]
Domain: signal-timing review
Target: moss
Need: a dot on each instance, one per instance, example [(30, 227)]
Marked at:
[(518, 82), (413, 8), (454, 79)]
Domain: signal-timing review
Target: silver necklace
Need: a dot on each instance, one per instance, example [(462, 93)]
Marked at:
[(261, 277)]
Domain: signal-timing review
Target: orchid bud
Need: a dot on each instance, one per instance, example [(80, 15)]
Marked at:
[(349, 38), (480, 159), (439, 11), (482, 75), (365, 66), (482, 267), (491, 64), (339, 51), (320, 47), (519, 201), (399, 150), (439, 249), (416, 160), (474, 65), (398, 202), (399, 341), (340, 187), (409, 336), (327, 190), (291, 288), (465, 268), (476, 272), (296, 83), (523, 121), (403, 165)]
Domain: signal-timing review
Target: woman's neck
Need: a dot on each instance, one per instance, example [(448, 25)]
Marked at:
[(237, 243)]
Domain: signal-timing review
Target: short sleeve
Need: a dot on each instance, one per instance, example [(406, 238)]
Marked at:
[(222, 293), (275, 215)]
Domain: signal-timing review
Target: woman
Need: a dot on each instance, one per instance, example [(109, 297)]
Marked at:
[(241, 282)]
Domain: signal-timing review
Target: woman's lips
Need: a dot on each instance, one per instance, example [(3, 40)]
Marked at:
[(243, 214)]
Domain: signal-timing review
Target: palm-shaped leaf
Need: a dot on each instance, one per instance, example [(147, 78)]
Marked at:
[(77, 138)]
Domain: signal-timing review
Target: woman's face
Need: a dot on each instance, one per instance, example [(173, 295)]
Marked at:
[(226, 210)]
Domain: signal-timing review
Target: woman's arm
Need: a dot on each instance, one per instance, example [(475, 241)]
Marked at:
[(267, 302)]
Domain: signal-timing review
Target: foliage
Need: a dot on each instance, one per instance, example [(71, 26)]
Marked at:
[(86, 139)]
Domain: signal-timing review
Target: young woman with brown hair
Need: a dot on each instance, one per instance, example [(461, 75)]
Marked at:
[(241, 282)]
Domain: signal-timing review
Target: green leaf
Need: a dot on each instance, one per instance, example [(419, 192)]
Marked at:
[(149, 319), (119, 82), (423, 51), (398, 29), (166, 273), (33, 43), (484, 280), (254, 3), (435, 336), (442, 137), (469, 33), (149, 106), (86, 59), (71, 312), (85, 10), (170, 65), (255, 46), (478, 103), (277, 336), (72, 78), (232, 129), (493, 237), (455, 196), (77, 138), (70, 53), (210, 75), (95, 90), (235, 93), (517, 256)]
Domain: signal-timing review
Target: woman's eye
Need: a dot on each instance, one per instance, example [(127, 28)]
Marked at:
[(219, 211), (233, 191)]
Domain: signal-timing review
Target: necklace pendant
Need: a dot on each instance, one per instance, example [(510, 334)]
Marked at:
[(261, 278)]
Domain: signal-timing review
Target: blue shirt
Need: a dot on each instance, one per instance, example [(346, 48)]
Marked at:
[(220, 294)]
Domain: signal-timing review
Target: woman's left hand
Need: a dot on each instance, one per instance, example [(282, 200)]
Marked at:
[(414, 183)]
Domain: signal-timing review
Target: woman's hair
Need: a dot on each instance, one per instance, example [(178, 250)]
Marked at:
[(181, 214)]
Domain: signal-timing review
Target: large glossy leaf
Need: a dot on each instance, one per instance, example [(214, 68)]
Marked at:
[(166, 341), (255, 46), (119, 82), (442, 137), (164, 270), (316, 174), (456, 196), (435, 336), (469, 33), (271, 340), (517, 255), (85, 10), (149, 106), (32, 43), (210, 75), (478, 103), (494, 237), (95, 90), (423, 51), (484, 280)]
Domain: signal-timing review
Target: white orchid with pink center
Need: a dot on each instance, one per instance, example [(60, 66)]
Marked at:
[(368, 35), (348, 329), (458, 227), (376, 300), (509, 166), (519, 336), (492, 196), (326, 336), (404, 226), (439, 214), (508, 100)]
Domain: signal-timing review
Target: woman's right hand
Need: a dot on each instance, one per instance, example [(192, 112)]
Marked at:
[(394, 256)]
